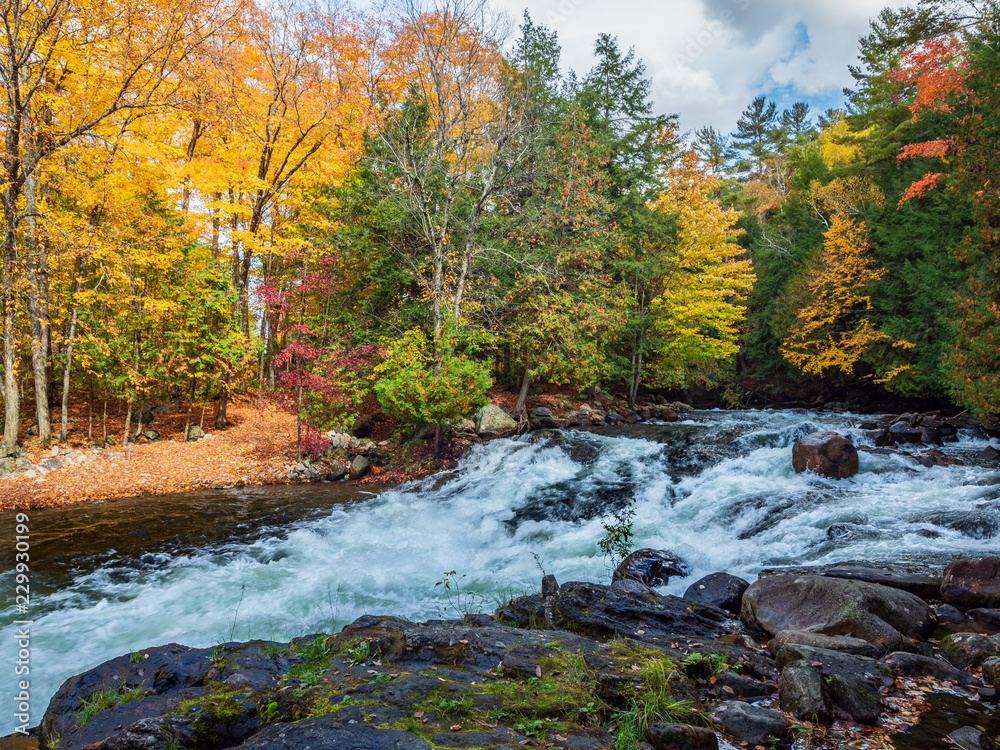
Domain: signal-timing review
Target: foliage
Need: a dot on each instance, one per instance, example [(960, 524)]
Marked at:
[(616, 542)]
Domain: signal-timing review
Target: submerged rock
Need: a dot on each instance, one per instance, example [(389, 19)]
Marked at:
[(885, 617), (828, 454), (653, 567)]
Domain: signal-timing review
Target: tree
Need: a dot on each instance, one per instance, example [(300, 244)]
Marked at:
[(714, 148), (754, 128)]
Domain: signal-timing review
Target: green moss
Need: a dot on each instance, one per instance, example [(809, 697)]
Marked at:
[(101, 700)]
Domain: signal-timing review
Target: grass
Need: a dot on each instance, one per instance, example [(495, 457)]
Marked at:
[(102, 700), (656, 702)]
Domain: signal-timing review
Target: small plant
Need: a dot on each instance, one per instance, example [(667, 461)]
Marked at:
[(464, 602), (102, 700), (135, 656), (616, 543), (381, 677), (53, 743), (360, 653), (533, 727)]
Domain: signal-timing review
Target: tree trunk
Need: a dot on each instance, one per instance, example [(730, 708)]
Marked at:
[(104, 427), (90, 413), (37, 310), (8, 297), (438, 432), (69, 364), (128, 422), (520, 410), (221, 422)]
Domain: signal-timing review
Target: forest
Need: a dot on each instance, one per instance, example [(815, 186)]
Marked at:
[(327, 205)]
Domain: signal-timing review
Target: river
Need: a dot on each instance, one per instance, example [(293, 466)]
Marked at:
[(716, 488)]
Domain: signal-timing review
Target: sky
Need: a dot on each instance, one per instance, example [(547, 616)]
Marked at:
[(708, 59)]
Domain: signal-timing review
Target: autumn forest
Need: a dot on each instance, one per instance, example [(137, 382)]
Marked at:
[(418, 203)]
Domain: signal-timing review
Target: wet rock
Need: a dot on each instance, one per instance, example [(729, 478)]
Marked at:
[(831, 663), (828, 454), (920, 580), (360, 467), (965, 650), (843, 643), (750, 724), (328, 732), (524, 612), (934, 457), (949, 615), (668, 415), (722, 590), (663, 736), (337, 472), (988, 455), (550, 586), (917, 665), (615, 418), (883, 616), (542, 419), (901, 432), (800, 689), (986, 621), (145, 734), (652, 567), (971, 738), (597, 610), (634, 587), (363, 426), (973, 581), (856, 697), (991, 671), (493, 422), (742, 687)]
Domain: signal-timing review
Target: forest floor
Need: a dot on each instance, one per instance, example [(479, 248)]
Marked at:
[(256, 449)]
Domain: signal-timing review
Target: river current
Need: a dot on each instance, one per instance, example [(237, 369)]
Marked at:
[(716, 488)]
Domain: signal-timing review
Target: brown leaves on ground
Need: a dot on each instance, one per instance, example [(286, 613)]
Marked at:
[(255, 450)]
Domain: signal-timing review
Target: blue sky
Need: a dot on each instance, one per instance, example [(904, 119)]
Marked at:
[(709, 58)]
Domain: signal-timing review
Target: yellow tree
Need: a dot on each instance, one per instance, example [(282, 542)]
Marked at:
[(832, 329), (705, 278)]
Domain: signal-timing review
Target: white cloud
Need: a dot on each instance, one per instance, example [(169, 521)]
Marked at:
[(709, 58)]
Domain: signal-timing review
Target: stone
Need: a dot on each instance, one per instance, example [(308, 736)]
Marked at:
[(750, 724), (151, 435), (920, 580), (828, 454), (601, 611), (859, 699), (965, 650), (722, 590), (51, 464), (652, 567), (742, 687), (194, 432), (329, 732), (988, 617), (830, 663), (360, 467), (934, 457), (669, 415), (988, 454), (800, 688), (885, 617), (918, 665), (493, 422), (550, 587), (991, 671), (663, 736), (363, 426), (524, 612), (971, 738), (843, 643), (973, 581), (337, 472), (464, 425), (902, 432), (542, 419)]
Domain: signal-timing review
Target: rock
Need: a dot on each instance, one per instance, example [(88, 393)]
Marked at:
[(800, 688), (917, 665), (493, 422), (669, 415), (988, 454), (596, 610), (966, 650), (949, 615), (550, 587), (842, 643), (991, 671), (526, 612), (465, 426), (614, 418), (750, 724), (742, 687), (194, 432), (971, 738), (363, 426), (653, 567), (722, 590), (973, 581), (902, 432), (329, 732), (828, 454), (663, 736), (634, 587), (920, 580), (337, 472), (986, 621), (360, 467), (682, 408), (830, 663), (934, 457), (145, 734), (883, 616), (51, 464), (856, 697), (151, 435), (542, 419)]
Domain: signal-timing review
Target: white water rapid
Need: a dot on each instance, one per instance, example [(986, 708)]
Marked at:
[(717, 489)]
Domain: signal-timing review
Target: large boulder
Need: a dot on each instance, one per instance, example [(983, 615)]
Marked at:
[(721, 590), (494, 422), (920, 580), (828, 454), (751, 725), (663, 736), (328, 732), (973, 581), (885, 617), (800, 689), (602, 611), (360, 467), (844, 643), (918, 665), (965, 650), (653, 567)]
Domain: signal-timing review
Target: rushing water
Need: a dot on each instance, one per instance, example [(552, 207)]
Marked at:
[(717, 488)]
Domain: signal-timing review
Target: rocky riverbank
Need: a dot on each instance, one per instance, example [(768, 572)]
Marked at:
[(850, 654)]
